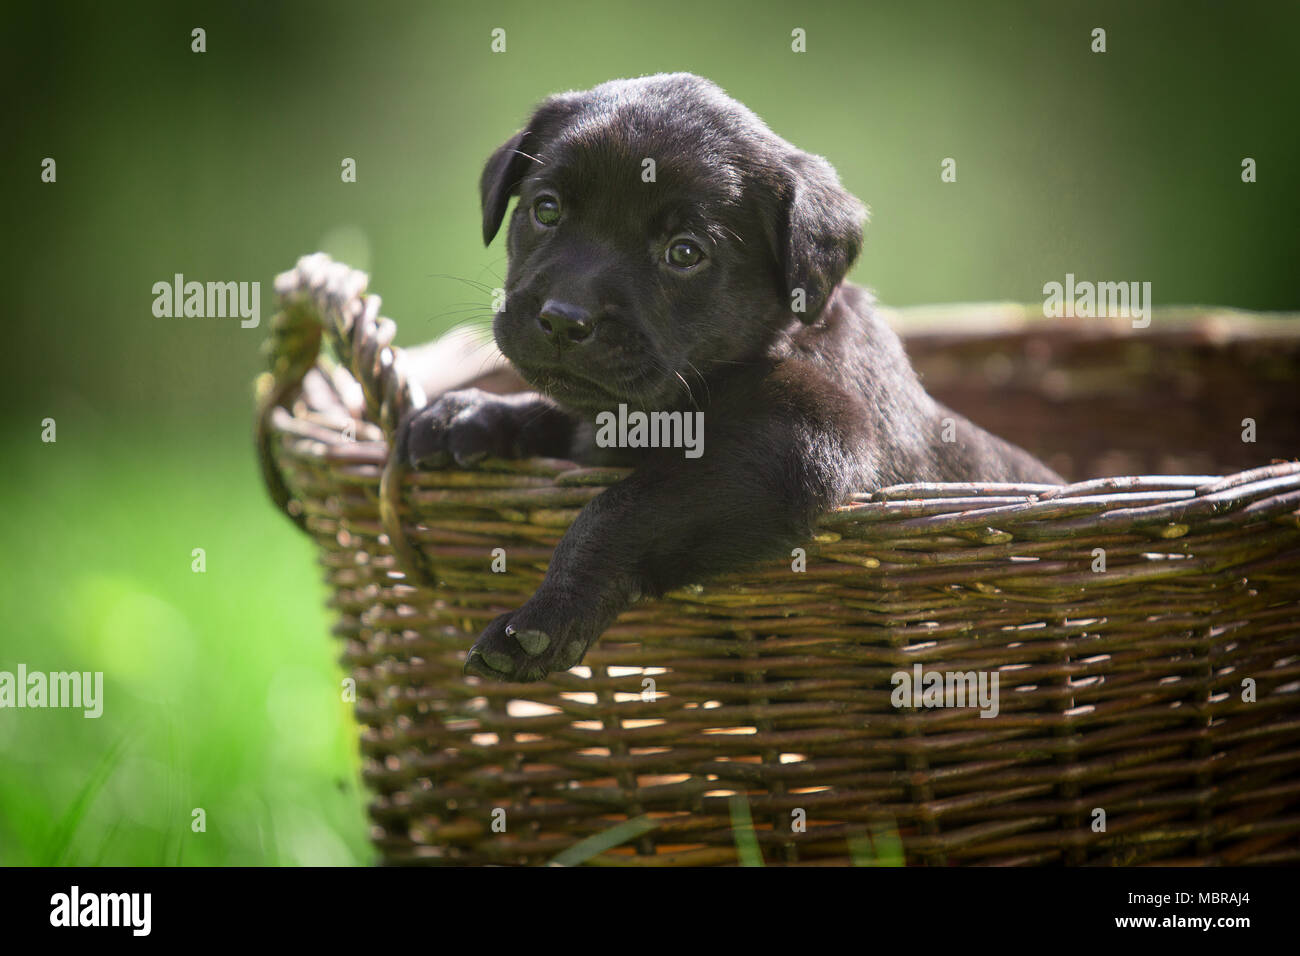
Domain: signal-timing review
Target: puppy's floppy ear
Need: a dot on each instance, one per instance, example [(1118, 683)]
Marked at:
[(500, 180), (819, 233), (510, 163)]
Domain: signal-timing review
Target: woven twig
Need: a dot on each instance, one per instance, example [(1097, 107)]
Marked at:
[(319, 296), (1121, 689)]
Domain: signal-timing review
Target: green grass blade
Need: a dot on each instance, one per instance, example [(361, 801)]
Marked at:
[(884, 847), (742, 828), (61, 840), (598, 843)]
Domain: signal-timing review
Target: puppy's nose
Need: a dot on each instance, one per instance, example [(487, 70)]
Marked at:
[(564, 323)]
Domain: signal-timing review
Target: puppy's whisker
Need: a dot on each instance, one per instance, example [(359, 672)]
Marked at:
[(666, 370), (483, 346), (537, 159), (703, 381), (491, 267), (686, 385), (536, 415), (482, 287), (473, 323), (463, 310), (487, 355), (482, 335)]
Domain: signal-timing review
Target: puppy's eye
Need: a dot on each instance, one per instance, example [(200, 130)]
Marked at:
[(546, 210), (684, 254)]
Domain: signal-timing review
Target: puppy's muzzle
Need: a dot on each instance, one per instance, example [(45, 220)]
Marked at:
[(565, 324)]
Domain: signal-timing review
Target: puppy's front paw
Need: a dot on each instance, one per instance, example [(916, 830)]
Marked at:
[(526, 645), (462, 427)]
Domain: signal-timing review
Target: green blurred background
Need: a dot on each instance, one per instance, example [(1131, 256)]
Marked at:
[(221, 688)]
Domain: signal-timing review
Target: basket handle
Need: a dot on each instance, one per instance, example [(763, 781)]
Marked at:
[(321, 297)]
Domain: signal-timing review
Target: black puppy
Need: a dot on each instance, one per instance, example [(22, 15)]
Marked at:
[(670, 253)]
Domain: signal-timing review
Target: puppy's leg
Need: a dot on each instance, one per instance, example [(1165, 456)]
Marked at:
[(670, 523), (466, 426)]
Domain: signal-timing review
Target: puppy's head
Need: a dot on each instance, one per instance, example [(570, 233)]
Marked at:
[(662, 232)]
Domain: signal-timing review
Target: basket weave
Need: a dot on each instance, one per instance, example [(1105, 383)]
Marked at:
[(1121, 690)]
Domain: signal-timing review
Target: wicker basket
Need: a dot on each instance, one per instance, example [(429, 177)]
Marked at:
[(753, 717)]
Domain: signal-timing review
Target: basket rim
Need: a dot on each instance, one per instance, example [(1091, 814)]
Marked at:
[(1164, 506)]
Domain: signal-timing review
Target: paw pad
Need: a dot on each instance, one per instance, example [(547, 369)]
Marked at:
[(534, 642)]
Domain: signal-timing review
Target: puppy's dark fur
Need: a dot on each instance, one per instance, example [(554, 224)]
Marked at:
[(800, 407)]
